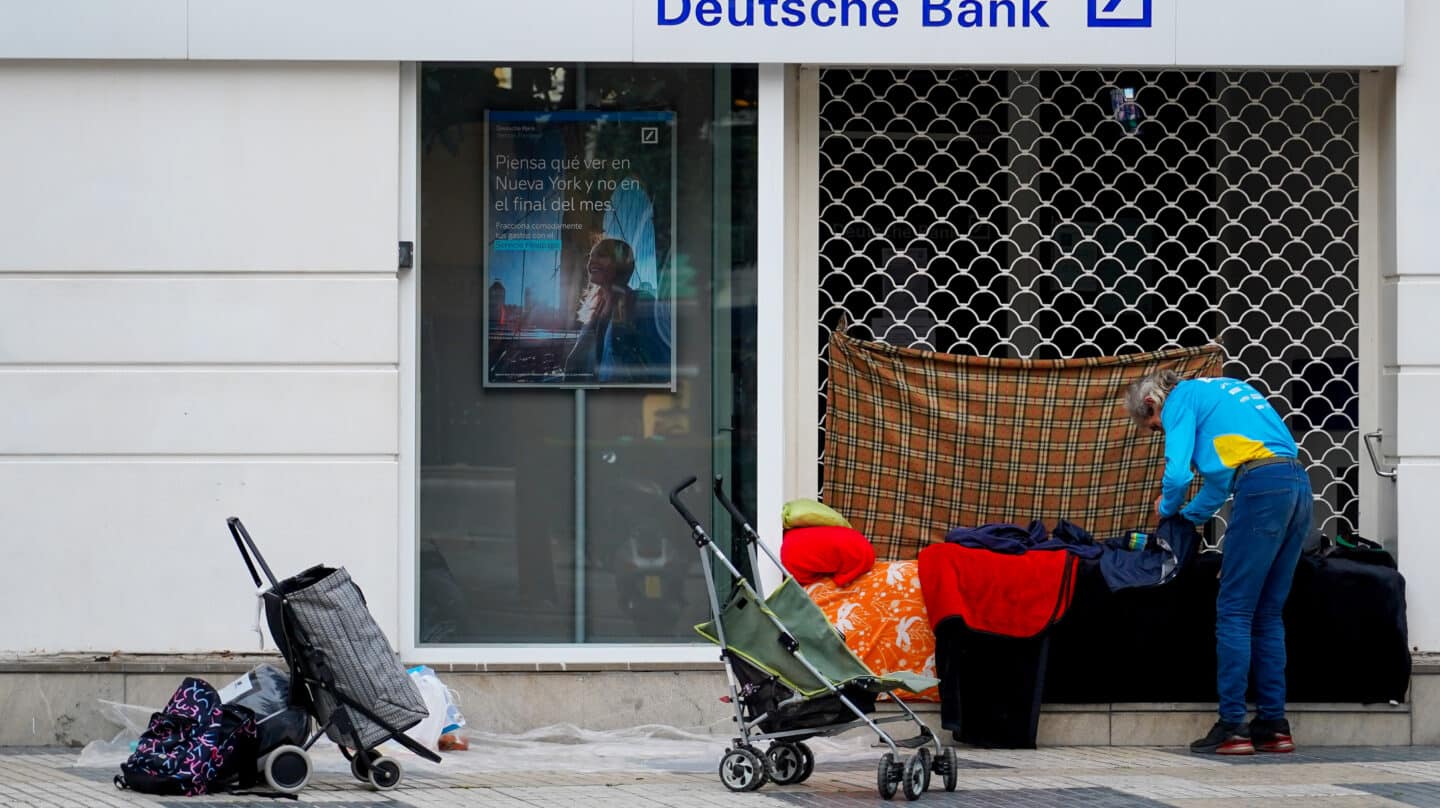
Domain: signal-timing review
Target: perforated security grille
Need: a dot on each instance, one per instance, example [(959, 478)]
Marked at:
[(1012, 214)]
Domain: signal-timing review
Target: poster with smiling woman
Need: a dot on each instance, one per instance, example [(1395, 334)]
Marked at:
[(579, 230)]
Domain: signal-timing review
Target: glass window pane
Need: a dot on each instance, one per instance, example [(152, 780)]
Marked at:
[(506, 556)]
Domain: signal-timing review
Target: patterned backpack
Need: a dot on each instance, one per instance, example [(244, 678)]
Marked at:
[(193, 746)]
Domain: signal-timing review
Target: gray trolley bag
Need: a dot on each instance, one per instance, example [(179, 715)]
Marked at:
[(343, 670)]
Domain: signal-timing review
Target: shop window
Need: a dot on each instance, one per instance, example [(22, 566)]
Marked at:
[(587, 293)]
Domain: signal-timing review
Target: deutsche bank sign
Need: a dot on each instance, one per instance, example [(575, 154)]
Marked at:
[(1049, 33), (1118, 14), (741, 14)]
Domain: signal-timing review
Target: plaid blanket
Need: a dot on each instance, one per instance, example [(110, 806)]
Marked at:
[(918, 442)]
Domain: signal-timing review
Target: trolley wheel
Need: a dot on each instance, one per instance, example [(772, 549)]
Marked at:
[(360, 766), (287, 769), (742, 770), (787, 763), (949, 767), (913, 779), (386, 773), (809, 767), (887, 776)]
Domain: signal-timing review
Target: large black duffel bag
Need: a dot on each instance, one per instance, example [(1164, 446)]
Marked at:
[(1346, 633)]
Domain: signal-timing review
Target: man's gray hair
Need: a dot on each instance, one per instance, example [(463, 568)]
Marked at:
[(1155, 386)]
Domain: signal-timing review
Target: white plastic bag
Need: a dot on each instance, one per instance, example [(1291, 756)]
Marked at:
[(454, 720), (427, 733), (133, 719)]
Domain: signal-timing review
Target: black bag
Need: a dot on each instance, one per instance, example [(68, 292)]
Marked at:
[(193, 746), (1357, 548), (990, 686), (1346, 627)]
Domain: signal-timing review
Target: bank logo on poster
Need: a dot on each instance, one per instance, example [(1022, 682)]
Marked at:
[(579, 233), (1119, 13)]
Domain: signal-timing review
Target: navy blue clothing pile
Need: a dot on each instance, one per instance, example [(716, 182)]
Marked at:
[(1166, 550)]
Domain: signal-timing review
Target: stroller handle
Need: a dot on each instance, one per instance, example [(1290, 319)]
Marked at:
[(680, 506), (735, 513)]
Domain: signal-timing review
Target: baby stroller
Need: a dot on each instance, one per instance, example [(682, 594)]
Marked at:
[(792, 677), (343, 673)]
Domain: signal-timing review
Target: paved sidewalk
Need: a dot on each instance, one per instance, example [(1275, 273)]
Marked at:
[(1123, 777)]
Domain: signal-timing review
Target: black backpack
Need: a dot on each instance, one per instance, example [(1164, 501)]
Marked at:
[(194, 746)]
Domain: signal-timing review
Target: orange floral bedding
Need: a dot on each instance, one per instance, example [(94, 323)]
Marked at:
[(882, 616)]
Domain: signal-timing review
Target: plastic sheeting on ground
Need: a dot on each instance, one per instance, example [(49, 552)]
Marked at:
[(643, 748)]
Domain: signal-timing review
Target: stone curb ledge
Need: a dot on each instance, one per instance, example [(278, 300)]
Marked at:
[(239, 663), (1424, 664)]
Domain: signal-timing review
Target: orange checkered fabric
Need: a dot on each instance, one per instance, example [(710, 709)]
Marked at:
[(919, 442)]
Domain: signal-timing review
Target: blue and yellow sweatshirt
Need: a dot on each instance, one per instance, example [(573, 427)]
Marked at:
[(1216, 425)]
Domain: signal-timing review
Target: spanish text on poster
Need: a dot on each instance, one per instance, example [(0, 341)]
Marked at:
[(579, 232)]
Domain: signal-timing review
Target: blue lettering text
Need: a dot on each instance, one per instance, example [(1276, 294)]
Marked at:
[(708, 12), (824, 22), (851, 13), (769, 6), (930, 8), (676, 20), (794, 11), (749, 15), (971, 13), (995, 6)]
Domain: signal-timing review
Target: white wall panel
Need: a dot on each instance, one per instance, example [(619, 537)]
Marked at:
[(1282, 33), (1417, 161), (158, 166), (87, 29), (96, 551), (434, 30), (1419, 554), (1417, 301), (185, 411), (160, 319), (1417, 430)]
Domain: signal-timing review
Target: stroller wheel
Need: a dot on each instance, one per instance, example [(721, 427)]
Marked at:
[(913, 780), (287, 769), (386, 773), (742, 770), (949, 768), (809, 767), (928, 762), (787, 763), (887, 776)]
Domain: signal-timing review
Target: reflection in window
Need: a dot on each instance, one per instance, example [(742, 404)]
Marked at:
[(542, 511)]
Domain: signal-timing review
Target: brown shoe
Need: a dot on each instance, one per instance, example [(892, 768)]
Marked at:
[(1225, 738), (1272, 736)]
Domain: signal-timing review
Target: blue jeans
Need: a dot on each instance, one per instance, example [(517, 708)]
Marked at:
[(1269, 521)]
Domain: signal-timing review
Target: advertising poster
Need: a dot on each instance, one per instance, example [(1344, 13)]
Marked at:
[(579, 261)]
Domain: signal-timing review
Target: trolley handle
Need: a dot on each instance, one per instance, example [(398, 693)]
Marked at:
[(735, 512), (242, 541), (680, 506)]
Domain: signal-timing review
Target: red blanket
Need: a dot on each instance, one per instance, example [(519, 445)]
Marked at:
[(1010, 595)]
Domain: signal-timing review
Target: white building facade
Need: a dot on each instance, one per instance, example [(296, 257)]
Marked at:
[(247, 259)]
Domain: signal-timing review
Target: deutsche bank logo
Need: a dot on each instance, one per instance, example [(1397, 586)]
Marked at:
[(1119, 13)]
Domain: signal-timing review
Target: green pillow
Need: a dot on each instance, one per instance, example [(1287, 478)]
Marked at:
[(809, 513)]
